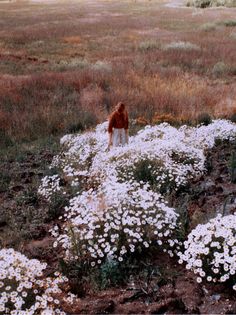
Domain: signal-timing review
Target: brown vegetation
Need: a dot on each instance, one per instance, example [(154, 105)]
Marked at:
[(63, 69)]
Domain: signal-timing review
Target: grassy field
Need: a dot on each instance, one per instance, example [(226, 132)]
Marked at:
[(65, 64)]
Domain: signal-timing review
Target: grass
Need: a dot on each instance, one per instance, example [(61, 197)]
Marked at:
[(230, 23), (63, 69)]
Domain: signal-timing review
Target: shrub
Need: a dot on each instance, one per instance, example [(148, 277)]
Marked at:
[(220, 68), (23, 290), (211, 3), (232, 167), (210, 250), (199, 3), (181, 46), (149, 45), (204, 119), (233, 118), (102, 66), (49, 186), (230, 23), (27, 197), (164, 156), (114, 222), (5, 180), (208, 27), (78, 63), (141, 121), (170, 119), (56, 206)]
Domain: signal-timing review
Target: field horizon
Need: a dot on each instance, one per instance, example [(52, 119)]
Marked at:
[(64, 66)]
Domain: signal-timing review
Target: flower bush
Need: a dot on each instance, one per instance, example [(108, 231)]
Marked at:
[(173, 156), (210, 250), (49, 186), (114, 222), (118, 206), (23, 290), (162, 163)]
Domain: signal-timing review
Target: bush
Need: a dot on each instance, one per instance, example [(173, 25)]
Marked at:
[(220, 68), (181, 46), (56, 206), (170, 119), (5, 180), (23, 290), (114, 222), (204, 119), (210, 250), (149, 45), (230, 23), (211, 3), (49, 186), (116, 211), (232, 167), (208, 27), (233, 118)]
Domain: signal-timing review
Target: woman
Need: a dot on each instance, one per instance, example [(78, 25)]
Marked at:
[(118, 126)]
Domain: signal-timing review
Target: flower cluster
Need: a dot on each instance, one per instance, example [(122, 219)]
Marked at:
[(114, 221), (121, 208), (160, 162), (23, 290), (172, 155), (49, 186), (210, 250)]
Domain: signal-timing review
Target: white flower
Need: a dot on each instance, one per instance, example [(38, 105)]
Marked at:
[(21, 273), (218, 264)]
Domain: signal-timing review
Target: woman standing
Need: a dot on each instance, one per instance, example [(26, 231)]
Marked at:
[(118, 126)]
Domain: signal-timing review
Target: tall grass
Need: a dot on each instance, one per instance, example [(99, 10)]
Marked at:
[(63, 72)]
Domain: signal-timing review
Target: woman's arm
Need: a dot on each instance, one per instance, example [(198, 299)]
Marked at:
[(110, 129), (110, 140)]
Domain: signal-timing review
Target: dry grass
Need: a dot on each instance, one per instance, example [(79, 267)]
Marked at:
[(64, 66)]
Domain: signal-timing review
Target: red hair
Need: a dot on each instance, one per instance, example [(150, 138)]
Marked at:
[(120, 107)]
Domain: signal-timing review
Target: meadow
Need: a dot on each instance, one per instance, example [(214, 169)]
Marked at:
[(64, 65)]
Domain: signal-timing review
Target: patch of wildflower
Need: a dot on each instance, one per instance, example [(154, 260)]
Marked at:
[(210, 250), (163, 163), (179, 152), (23, 290), (114, 221), (49, 186), (161, 158), (78, 153)]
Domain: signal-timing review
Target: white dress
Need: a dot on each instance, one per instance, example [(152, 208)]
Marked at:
[(119, 137)]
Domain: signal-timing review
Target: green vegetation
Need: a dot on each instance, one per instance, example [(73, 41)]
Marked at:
[(211, 3)]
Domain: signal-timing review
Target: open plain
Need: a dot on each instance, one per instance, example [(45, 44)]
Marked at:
[(64, 64)]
